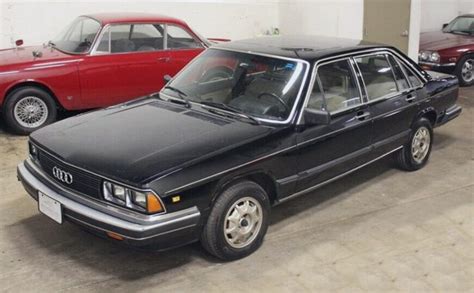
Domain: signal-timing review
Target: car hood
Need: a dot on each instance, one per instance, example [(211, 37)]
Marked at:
[(24, 55), (139, 141), (434, 41)]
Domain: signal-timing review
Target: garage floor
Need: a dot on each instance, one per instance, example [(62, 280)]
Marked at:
[(378, 229)]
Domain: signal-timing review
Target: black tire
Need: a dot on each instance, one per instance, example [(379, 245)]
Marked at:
[(20, 94), (459, 67), (213, 238), (405, 157)]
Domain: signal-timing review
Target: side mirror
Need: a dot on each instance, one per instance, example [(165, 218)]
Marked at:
[(445, 25), (167, 78), (316, 117), (18, 43)]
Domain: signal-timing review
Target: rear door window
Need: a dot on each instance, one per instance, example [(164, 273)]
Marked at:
[(378, 76)]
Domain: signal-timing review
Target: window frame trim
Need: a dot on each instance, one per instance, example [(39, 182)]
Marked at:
[(316, 78), (105, 29), (352, 55)]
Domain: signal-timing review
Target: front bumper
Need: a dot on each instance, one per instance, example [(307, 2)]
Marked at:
[(445, 68), (161, 231)]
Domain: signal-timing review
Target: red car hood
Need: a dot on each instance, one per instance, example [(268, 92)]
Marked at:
[(22, 55), (434, 41)]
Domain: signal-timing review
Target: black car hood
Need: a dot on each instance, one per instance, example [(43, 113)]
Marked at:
[(139, 141)]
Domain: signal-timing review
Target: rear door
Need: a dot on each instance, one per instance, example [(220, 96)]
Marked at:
[(326, 151), (392, 100), (129, 61)]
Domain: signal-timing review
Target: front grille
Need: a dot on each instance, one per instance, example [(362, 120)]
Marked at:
[(83, 182)]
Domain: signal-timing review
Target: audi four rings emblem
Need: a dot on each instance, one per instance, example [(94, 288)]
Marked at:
[(62, 175)]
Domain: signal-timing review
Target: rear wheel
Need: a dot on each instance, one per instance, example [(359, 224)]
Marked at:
[(417, 150), (28, 109), (238, 221), (465, 70)]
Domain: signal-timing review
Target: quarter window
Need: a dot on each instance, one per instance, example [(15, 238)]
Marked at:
[(178, 38), (378, 76), (335, 88), (402, 82), (414, 80)]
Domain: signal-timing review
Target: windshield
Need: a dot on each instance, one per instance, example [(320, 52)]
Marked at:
[(461, 25), (254, 85), (78, 36)]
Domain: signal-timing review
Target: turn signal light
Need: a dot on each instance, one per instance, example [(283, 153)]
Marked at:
[(115, 236), (153, 204)]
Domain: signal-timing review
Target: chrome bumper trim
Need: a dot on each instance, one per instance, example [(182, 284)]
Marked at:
[(90, 209)]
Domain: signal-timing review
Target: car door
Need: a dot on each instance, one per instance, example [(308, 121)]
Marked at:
[(392, 101), (128, 61), (182, 47), (326, 151)]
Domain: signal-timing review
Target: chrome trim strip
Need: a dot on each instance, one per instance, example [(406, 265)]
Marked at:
[(436, 64), (114, 219), (334, 178)]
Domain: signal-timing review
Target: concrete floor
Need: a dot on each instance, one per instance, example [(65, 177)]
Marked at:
[(378, 229)]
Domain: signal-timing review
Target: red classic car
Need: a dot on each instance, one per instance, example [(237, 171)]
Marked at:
[(450, 50), (97, 61)]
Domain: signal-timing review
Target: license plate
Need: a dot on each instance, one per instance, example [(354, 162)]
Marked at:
[(50, 207)]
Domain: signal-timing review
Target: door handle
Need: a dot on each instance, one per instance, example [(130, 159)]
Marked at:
[(362, 115), (163, 59), (410, 98)]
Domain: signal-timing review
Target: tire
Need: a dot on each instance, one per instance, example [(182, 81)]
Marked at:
[(465, 70), (35, 98), (227, 246), (421, 138)]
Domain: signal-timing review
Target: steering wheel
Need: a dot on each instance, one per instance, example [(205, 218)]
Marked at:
[(279, 99)]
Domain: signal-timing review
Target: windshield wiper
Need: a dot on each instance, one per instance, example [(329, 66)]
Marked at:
[(460, 32), (232, 110), (183, 97), (51, 44)]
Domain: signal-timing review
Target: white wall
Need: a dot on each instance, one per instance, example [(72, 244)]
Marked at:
[(436, 12), (341, 18), (38, 21)]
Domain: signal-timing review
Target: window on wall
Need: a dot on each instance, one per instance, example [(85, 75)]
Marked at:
[(335, 88), (378, 76), (178, 38)]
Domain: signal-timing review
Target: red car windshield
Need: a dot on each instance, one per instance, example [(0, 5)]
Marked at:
[(78, 37), (461, 25)]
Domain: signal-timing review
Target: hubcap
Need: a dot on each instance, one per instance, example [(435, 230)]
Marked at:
[(30, 112), (420, 144), (467, 70), (243, 222)]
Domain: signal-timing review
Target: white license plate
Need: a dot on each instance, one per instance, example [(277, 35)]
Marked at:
[(50, 207)]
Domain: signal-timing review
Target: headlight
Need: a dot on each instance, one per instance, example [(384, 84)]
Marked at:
[(434, 57), (429, 56), (137, 200), (424, 55)]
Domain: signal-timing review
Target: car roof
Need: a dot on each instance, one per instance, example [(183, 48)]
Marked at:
[(118, 17), (306, 47), (467, 15)]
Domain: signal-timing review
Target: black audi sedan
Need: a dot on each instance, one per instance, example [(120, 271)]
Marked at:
[(245, 126)]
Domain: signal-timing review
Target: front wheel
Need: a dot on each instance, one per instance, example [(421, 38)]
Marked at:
[(238, 221), (417, 150), (465, 70), (28, 109)]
